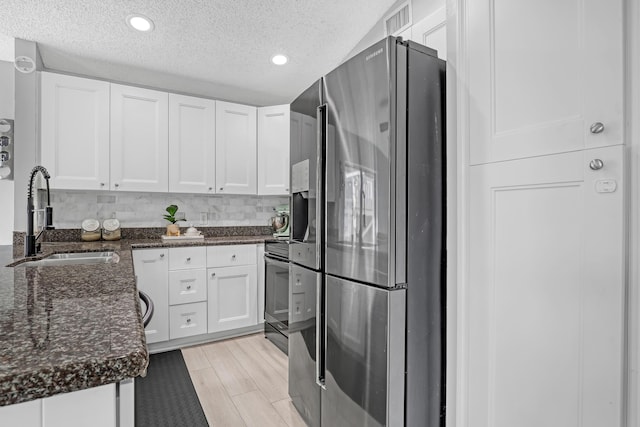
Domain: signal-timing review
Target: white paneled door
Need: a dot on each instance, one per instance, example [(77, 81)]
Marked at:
[(236, 148), (544, 307), (139, 139), (544, 77), (432, 32), (75, 131), (192, 136)]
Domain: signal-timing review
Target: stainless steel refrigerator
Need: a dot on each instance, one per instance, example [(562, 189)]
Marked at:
[(367, 291)]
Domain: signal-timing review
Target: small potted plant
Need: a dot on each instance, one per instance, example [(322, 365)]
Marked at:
[(173, 229)]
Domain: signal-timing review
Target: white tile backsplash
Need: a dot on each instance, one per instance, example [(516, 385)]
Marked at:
[(146, 209)]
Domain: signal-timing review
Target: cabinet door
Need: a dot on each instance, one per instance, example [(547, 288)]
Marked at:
[(232, 298), (139, 139), (151, 267), (75, 131), (191, 144), (26, 414), (236, 148), (273, 150), (537, 89), (544, 305), (94, 407)]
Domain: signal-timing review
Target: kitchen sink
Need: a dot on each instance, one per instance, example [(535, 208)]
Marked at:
[(74, 258)]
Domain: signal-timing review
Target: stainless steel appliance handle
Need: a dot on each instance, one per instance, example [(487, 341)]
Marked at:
[(147, 315), (321, 115), (320, 328), (280, 263)]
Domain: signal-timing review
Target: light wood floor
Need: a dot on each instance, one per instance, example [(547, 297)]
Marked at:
[(242, 382)]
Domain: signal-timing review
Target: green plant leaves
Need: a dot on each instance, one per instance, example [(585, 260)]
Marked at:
[(172, 209)]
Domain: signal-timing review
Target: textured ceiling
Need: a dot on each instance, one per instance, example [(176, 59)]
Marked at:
[(216, 48)]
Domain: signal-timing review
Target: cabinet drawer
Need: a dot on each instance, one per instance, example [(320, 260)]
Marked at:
[(187, 286), (231, 255), (186, 320), (189, 257)]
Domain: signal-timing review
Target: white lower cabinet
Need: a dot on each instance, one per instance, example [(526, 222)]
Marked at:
[(151, 266), (186, 320), (96, 407), (233, 298), (199, 290)]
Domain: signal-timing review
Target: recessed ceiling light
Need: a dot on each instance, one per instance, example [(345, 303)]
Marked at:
[(279, 59), (140, 23)]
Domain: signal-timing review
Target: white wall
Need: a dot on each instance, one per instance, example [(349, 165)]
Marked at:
[(7, 108), (420, 10)]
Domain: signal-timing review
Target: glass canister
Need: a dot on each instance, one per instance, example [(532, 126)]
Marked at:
[(90, 230), (111, 229)]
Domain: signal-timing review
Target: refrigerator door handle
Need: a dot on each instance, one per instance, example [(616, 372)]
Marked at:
[(320, 174), (320, 334)]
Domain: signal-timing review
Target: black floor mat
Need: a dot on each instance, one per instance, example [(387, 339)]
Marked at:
[(166, 397)]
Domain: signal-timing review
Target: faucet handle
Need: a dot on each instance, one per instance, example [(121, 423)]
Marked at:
[(48, 218)]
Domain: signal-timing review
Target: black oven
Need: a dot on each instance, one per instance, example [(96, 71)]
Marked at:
[(276, 293)]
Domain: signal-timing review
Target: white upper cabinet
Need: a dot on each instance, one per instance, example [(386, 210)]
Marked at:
[(236, 148), (139, 139), (192, 136), (542, 76), (273, 150), (75, 131)]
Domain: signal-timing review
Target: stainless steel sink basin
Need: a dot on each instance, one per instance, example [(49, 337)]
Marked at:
[(75, 258)]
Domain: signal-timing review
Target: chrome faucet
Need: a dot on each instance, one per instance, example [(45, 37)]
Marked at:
[(30, 248)]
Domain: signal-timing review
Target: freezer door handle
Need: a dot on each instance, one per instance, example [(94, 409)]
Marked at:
[(320, 334)]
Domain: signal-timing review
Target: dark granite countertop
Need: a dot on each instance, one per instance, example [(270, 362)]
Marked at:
[(67, 328)]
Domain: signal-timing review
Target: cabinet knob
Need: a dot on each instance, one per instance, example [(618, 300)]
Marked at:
[(596, 164), (597, 127), (116, 185), (221, 188), (102, 184), (188, 320), (286, 189), (233, 256), (188, 287), (161, 255), (213, 274), (188, 259), (210, 188)]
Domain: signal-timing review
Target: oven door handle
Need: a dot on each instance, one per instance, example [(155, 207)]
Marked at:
[(276, 261)]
